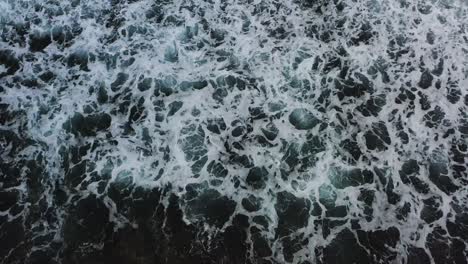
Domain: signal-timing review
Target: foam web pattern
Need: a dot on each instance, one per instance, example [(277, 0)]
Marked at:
[(237, 131)]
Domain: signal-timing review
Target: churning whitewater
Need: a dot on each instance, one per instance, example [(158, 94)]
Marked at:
[(233, 131)]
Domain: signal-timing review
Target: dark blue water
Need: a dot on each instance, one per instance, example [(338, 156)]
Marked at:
[(238, 131)]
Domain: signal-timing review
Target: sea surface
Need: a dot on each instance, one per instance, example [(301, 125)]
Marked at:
[(233, 131)]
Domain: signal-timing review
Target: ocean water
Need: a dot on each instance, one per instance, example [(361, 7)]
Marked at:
[(233, 131)]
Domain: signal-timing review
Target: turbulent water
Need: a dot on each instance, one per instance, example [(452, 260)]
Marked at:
[(240, 131)]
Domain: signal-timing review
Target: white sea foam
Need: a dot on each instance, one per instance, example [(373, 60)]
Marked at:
[(282, 52)]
